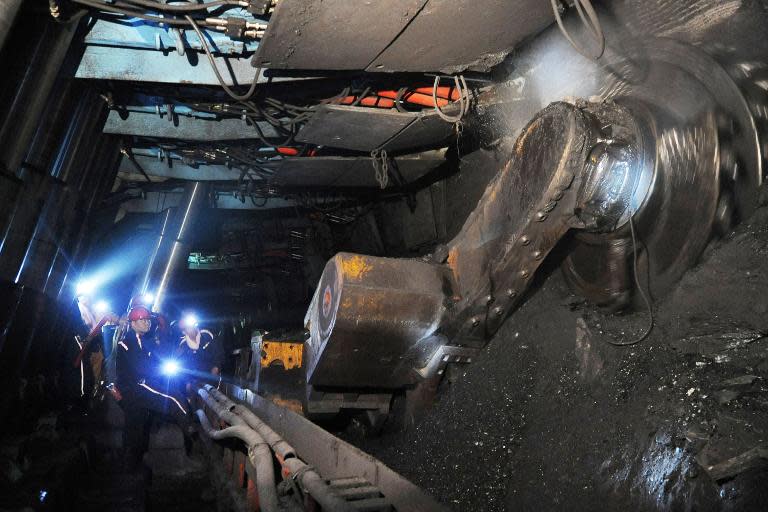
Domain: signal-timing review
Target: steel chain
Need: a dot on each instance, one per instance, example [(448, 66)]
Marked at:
[(380, 161)]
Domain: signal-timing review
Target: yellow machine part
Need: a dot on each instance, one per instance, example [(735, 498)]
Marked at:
[(289, 354)]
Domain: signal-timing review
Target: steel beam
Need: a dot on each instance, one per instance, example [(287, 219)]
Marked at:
[(135, 65), (155, 202), (140, 35), (174, 169), (145, 124), (337, 172)]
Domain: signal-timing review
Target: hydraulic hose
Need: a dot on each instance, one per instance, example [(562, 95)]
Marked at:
[(258, 451), (305, 475), (315, 486), (278, 444)]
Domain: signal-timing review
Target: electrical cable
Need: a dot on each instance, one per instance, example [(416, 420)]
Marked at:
[(399, 99), (131, 158), (181, 8), (645, 298), (204, 42), (111, 8), (593, 26), (361, 96)]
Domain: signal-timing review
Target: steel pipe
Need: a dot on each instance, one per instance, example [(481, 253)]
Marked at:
[(23, 120), (8, 11)]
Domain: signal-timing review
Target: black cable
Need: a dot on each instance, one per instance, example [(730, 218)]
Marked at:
[(263, 138), (642, 294), (204, 42), (464, 99), (129, 154), (180, 8), (399, 99), (287, 106), (344, 93), (111, 8), (253, 201), (361, 96)]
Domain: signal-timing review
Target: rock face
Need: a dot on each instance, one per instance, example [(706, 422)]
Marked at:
[(552, 417)]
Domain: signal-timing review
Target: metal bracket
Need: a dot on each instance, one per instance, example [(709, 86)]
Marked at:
[(443, 356)]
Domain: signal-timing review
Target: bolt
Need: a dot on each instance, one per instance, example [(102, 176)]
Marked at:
[(498, 310), (550, 206), (537, 255), (488, 299), (475, 321), (524, 274), (511, 292), (541, 216), (525, 240)]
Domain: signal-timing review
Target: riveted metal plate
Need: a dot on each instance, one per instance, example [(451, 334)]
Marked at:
[(332, 34), (351, 172), (454, 35), (366, 129)]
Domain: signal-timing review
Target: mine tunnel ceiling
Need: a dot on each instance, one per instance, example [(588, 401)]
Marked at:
[(334, 97)]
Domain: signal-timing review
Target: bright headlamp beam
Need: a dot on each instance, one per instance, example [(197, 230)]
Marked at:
[(189, 321), (170, 367), (85, 287), (101, 307)]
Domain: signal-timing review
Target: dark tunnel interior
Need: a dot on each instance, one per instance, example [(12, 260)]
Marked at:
[(412, 255)]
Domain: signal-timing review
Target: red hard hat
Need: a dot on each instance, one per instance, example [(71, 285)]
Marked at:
[(139, 313)]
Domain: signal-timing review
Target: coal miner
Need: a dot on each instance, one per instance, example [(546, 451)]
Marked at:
[(142, 390)]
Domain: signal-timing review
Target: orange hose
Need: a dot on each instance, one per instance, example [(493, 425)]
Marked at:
[(416, 98), (286, 151), (369, 101), (442, 92)]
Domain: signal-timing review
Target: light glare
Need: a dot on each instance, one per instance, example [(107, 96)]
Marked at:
[(85, 287), (189, 321), (170, 367), (102, 306)]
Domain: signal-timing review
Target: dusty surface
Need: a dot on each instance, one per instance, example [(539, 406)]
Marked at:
[(551, 417)]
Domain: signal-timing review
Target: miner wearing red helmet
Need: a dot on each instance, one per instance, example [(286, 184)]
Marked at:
[(159, 328), (139, 387)]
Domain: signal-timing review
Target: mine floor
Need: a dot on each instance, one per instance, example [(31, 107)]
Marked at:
[(552, 417)]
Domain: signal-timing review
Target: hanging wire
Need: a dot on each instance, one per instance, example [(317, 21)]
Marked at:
[(204, 43), (461, 86), (121, 8), (157, 6), (640, 289), (591, 22)]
